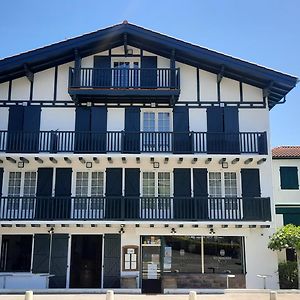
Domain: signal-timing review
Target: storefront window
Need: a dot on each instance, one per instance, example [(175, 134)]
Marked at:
[(16, 253), (182, 254), (223, 254)]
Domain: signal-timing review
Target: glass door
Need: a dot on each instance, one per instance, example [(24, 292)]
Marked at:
[(151, 264)]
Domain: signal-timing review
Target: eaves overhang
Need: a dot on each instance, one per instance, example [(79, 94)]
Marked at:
[(276, 84)]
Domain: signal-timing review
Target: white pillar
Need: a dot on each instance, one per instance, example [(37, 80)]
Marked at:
[(110, 295), (29, 295), (192, 295), (273, 295)]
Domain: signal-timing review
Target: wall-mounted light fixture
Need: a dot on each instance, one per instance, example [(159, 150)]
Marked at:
[(173, 231), (89, 165), (156, 165), (225, 165), (211, 231), (121, 231)]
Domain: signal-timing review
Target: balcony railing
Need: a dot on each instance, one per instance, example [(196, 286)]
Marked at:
[(124, 78), (133, 142), (135, 208)]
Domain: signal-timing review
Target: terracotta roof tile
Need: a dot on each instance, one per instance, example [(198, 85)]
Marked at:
[(286, 152)]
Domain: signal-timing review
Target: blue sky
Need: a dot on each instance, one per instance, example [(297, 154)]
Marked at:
[(261, 31)]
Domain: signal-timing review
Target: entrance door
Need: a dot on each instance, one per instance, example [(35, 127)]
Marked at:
[(86, 255), (151, 265)]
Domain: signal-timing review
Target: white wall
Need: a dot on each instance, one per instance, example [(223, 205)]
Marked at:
[(198, 119), (252, 93), (229, 90), (115, 119), (4, 111), (188, 82), (4, 90), (20, 89), (58, 119), (287, 197), (254, 119), (62, 81), (43, 86), (208, 86)]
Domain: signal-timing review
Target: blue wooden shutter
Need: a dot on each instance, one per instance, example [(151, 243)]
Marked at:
[(59, 261), (113, 193), (215, 130), (82, 129), (289, 178), (62, 200), (182, 140), (148, 72), (1, 180), (98, 129), (132, 192), (41, 250), (44, 193), (102, 74), (112, 261), (231, 130), (254, 208), (15, 129), (131, 141), (31, 128), (200, 193), (183, 208)]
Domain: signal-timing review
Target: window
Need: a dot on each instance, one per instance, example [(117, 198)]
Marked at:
[(16, 253), (156, 121), (21, 184), (223, 192), (89, 184), (125, 74), (289, 178), (156, 189)]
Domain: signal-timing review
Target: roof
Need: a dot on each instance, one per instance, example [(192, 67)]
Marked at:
[(286, 152), (278, 84)]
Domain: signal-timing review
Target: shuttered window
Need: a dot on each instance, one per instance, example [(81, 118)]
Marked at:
[(289, 178)]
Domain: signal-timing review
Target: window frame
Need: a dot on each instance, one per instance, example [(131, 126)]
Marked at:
[(295, 185), (22, 183), (89, 187), (156, 113)]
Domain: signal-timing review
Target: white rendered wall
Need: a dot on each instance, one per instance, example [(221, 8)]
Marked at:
[(208, 86), (20, 89), (58, 119), (88, 62), (198, 119), (62, 81), (252, 93), (188, 82), (4, 111), (4, 90), (285, 197), (43, 86), (115, 119), (254, 119), (229, 90)]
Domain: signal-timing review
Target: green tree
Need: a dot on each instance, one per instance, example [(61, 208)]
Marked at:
[(287, 237)]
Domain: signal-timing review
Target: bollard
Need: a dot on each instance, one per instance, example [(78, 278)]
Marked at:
[(273, 295), (192, 295), (29, 295), (110, 295)]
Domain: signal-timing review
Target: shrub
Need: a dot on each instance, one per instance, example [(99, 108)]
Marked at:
[(288, 275)]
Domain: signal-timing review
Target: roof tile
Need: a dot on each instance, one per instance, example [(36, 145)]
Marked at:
[(286, 152)]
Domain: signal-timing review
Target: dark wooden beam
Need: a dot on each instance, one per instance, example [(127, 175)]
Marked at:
[(28, 73), (109, 159), (96, 160), (53, 160), (124, 160), (267, 89), (234, 161), (39, 160), (166, 160), (208, 160), (194, 160), (25, 160), (220, 74), (261, 161), (222, 160), (67, 160), (10, 159), (138, 160), (248, 161), (1, 161), (125, 44), (82, 160), (151, 160), (180, 160)]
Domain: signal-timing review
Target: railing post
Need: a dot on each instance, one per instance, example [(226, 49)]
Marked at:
[(29, 295)]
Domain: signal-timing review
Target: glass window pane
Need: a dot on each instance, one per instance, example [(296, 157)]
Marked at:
[(14, 184), (230, 182), (149, 121), (97, 184), (164, 186), (29, 184), (163, 121), (148, 184), (82, 184), (215, 187)]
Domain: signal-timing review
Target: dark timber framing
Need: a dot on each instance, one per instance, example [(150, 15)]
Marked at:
[(159, 44)]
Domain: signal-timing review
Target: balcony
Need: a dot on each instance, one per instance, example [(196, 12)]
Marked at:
[(160, 85), (135, 208), (133, 142)]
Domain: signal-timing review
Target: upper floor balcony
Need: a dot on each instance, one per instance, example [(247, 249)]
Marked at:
[(133, 142), (121, 84), (135, 208)]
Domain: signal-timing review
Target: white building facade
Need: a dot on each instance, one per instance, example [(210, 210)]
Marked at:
[(130, 159)]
